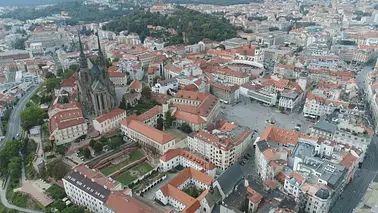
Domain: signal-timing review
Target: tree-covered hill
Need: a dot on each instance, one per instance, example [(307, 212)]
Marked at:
[(75, 9), (215, 2), (196, 25)]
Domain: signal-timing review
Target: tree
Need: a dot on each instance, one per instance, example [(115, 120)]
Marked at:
[(57, 169), (50, 75), (59, 72), (186, 128), (51, 83), (146, 92), (169, 119), (273, 28), (73, 209), (92, 143), (115, 142), (56, 192), (87, 153), (98, 147), (32, 116), (10, 149), (14, 167), (123, 105), (160, 123)]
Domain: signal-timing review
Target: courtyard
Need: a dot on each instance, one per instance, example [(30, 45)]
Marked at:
[(133, 173), (119, 163), (254, 115)]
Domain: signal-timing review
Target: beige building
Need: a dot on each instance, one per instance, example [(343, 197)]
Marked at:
[(147, 136), (66, 126), (118, 78), (223, 145), (110, 121)]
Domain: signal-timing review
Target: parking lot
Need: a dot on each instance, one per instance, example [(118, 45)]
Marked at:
[(254, 116)]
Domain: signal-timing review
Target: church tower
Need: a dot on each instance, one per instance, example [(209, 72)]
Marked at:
[(85, 81)]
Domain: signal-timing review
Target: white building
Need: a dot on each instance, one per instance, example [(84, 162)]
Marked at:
[(216, 146), (147, 136), (319, 103), (162, 86), (180, 156), (118, 78), (172, 194), (67, 125), (99, 194), (110, 121)]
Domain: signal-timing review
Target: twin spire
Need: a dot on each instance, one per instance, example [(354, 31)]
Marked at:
[(83, 59)]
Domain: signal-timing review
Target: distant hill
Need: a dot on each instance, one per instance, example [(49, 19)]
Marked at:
[(27, 2), (215, 2)]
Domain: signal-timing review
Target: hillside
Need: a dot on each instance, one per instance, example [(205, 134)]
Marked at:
[(215, 2), (196, 26), (75, 9)]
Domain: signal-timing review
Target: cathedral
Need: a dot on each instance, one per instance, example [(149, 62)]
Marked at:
[(96, 90)]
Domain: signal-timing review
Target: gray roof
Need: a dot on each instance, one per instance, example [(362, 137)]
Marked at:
[(87, 185), (322, 193), (214, 197), (229, 179), (325, 126), (262, 145)]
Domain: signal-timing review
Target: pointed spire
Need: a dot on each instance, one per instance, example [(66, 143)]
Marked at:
[(80, 45), (82, 58), (98, 43)]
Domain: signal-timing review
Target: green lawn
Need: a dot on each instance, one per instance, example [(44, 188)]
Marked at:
[(126, 177), (133, 157)]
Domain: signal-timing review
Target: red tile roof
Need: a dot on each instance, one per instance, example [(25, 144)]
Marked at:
[(254, 196), (112, 114), (116, 74), (348, 160), (136, 85), (150, 113), (121, 203), (150, 132), (280, 135), (172, 153)]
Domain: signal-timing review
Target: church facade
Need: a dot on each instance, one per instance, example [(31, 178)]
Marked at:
[(96, 90)]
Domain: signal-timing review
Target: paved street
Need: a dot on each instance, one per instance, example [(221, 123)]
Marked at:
[(355, 191), (14, 128), (14, 123)]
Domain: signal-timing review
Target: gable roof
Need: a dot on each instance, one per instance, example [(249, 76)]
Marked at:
[(112, 114), (280, 135), (150, 132), (229, 178)]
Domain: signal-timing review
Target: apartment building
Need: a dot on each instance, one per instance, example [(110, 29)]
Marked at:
[(180, 156), (147, 136), (89, 188), (345, 128), (227, 75), (109, 121), (222, 143), (323, 101), (227, 93)]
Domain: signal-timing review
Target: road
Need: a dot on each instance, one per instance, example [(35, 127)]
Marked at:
[(14, 128), (355, 191), (14, 123)]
